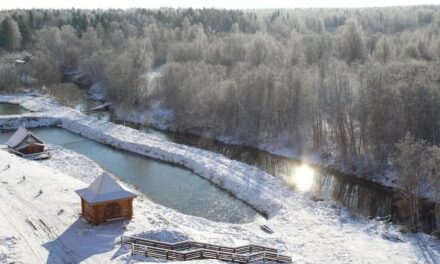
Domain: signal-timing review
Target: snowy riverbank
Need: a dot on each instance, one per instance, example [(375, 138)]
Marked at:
[(311, 232), (227, 174), (161, 119)]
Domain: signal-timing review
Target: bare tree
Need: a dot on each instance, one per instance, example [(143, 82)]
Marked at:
[(412, 163)]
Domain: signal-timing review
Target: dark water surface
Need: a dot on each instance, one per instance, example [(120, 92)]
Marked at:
[(68, 94), (360, 196), (11, 109)]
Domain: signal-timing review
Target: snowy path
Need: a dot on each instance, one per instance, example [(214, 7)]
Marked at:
[(310, 232), (29, 222), (33, 219), (35, 231), (14, 231)]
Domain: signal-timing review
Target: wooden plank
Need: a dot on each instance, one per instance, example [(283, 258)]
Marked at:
[(229, 250), (193, 255), (256, 256), (182, 245), (99, 107)]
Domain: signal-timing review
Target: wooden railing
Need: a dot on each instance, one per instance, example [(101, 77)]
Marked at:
[(197, 250)]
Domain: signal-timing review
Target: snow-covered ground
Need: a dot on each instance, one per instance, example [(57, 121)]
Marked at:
[(46, 227)]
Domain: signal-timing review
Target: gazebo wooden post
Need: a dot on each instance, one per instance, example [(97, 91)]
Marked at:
[(105, 200)]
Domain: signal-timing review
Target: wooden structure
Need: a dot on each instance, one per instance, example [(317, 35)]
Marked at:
[(105, 200), (196, 250), (24, 142), (99, 107)]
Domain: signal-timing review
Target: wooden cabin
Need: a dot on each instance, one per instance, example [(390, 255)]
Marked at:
[(24, 142), (105, 200)]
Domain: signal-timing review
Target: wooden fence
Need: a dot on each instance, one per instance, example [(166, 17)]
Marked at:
[(196, 250)]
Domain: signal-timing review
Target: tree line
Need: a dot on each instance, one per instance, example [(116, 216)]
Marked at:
[(359, 85)]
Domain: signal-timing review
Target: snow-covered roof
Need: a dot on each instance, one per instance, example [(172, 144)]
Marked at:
[(20, 136), (104, 189)]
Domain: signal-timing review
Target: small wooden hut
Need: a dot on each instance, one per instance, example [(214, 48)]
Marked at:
[(105, 200), (23, 142)]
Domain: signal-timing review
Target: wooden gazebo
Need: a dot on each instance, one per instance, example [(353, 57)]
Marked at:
[(105, 200), (25, 144)]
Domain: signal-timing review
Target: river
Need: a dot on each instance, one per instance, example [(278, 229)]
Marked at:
[(163, 183), (360, 196)]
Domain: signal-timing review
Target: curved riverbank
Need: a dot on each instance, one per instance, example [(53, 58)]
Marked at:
[(247, 183), (163, 183), (312, 232)]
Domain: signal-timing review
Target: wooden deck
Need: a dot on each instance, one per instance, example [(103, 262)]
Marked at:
[(35, 156), (196, 250)]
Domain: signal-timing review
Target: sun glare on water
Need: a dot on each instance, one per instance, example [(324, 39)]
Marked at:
[(303, 178)]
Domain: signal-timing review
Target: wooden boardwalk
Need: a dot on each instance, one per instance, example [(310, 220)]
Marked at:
[(191, 250)]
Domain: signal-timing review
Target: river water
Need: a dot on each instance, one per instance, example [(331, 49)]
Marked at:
[(11, 109), (359, 196), (163, 183)]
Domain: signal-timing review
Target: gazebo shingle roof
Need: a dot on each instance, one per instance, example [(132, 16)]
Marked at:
[(20, 136), (104, 189)]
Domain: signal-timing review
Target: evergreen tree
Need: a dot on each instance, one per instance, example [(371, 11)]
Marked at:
[(25, 35), (10, 36)]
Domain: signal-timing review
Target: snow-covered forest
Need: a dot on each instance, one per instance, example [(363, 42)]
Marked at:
[(362, 85)]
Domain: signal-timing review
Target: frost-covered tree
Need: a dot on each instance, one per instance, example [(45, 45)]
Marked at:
[(434, 179), (352, 44), (412, 161), (10, 36), (384, 50), (128, 72), (8, 77)]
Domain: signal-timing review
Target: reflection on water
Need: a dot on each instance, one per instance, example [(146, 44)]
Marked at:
[(68, 94), (11, 109), (303, 177), (357, 195), (163, 183)]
